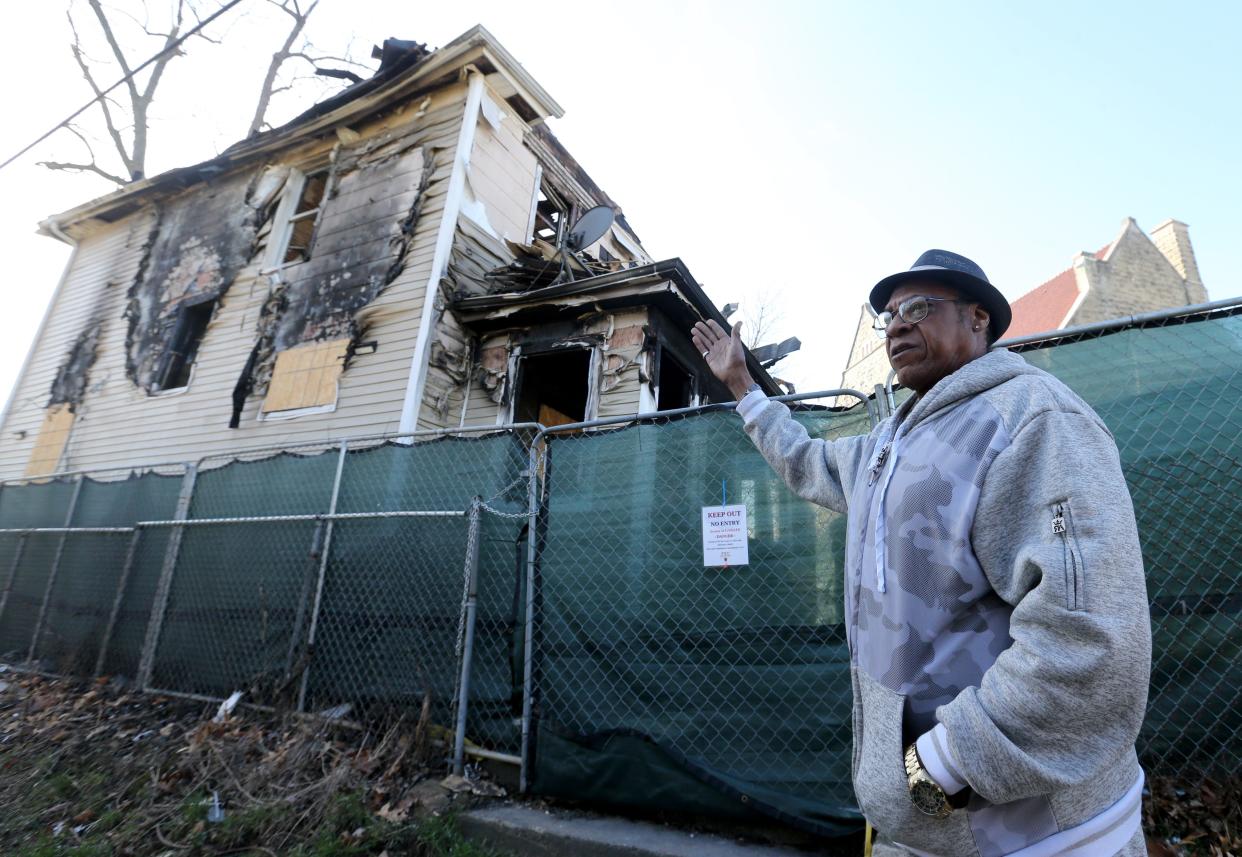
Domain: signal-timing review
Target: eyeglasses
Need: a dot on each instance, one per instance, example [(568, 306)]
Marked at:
[(911, 311)]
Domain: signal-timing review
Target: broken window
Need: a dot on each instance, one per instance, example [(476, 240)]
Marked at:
[(553, 388), (551, 215), (675, 386), (187, 333), (304, 217), (306, 376)]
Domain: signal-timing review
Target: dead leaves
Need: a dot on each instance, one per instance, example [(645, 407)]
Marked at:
[(153, 759), (1199, 817)]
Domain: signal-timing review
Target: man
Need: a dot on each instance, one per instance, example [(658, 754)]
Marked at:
[(995, 606)]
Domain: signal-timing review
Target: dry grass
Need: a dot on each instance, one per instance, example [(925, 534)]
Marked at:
[(93, 769)]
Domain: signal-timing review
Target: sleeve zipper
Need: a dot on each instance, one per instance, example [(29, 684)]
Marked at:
[(1073, 567)]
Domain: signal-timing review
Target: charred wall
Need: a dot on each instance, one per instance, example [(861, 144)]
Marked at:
[(375, 194), (200, 241), (73, 375)]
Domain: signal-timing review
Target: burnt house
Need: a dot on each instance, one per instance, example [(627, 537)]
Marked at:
[(389, 261)]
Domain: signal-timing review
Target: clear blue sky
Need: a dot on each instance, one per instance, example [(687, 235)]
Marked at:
[(801, 148)]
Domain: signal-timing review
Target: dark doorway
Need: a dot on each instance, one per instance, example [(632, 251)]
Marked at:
[(553, 387), (676, 385)]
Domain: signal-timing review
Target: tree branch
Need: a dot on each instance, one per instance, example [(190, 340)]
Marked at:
[(267, 90), (119, 54), (84, 168), (79, 57), (316, 59)]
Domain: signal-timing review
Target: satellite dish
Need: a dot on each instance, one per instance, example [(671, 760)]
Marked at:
[(590, 227)]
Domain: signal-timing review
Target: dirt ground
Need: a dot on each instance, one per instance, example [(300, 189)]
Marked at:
[(95, 769)]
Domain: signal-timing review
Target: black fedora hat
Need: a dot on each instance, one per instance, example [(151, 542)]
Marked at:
[(956, 271)]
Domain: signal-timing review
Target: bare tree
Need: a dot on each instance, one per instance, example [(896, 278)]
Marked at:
[(763, 315), (132, 151), (298, 11)]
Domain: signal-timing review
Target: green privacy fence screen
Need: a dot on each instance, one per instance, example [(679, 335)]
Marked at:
[(738, 679), (325, 576), (1172, 396), (743, 673)]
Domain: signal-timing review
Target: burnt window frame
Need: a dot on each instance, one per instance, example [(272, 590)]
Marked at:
[(287, 216), (548, 201), (664, 355), (518, 366), (176, 366)]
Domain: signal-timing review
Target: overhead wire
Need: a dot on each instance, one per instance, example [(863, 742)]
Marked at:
[(167, 50)]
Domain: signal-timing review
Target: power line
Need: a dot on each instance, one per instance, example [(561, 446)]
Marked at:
[(75, 114)]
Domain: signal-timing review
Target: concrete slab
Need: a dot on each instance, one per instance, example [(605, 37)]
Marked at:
[(528, 830)]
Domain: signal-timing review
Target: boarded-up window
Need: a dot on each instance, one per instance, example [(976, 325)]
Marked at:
[(306, 376), (53, 435)]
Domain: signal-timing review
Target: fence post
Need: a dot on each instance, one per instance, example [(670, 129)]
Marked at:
[(116, 601), (309, 575), (881, 402), (323, 571), (51, 575), (467, 648), (164, 587), (528, 645), (17, 561)]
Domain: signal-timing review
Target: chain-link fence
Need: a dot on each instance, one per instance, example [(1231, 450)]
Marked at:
[(1170, 389), (351, 576), (544, 592)]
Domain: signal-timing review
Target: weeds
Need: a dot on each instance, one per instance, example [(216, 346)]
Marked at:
[(87, 770)]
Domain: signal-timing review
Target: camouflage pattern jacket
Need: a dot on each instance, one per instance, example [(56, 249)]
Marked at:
[(995, 607)]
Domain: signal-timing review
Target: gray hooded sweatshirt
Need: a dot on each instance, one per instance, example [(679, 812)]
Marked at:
[(996, 611)]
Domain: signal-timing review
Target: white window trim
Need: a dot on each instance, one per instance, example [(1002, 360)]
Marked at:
[(175, 391), (591, 411), (504, 416), (282, 231), (594, 370), (648, 391), (292, 413), (534, 204)]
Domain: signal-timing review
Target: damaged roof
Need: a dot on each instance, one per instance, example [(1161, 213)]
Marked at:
[(406, 71), (667, 285)]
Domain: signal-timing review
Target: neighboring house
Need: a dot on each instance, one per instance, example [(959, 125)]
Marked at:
[(383, 263), (1135, 273)]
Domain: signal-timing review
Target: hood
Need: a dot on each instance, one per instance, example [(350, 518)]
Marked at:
[(977, 376)]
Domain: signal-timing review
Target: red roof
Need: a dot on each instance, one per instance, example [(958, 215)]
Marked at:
[(1044, 307)]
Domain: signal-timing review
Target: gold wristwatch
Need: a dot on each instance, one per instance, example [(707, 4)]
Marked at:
[(925, 793)]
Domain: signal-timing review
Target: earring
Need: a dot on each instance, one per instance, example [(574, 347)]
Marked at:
[(976, 327)]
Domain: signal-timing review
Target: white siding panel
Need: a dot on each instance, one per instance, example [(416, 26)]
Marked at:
[(95, 287), (119, 425)]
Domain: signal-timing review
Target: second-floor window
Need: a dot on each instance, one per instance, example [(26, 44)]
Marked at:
[(187, 333), (305, 216), (293, 232)]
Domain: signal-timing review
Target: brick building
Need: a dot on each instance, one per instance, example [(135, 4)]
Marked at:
[(1134, 273)]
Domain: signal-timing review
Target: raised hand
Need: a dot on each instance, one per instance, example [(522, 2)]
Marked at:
[(723, 354)]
